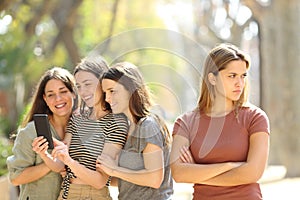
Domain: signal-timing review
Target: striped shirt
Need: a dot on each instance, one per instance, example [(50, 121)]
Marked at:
[(88, 138)]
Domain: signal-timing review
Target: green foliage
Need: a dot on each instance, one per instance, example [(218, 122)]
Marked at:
[(5, 151), (4, 126), (94, 25), (24, 113)]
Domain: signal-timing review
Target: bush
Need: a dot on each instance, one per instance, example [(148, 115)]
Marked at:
[(5, 151)]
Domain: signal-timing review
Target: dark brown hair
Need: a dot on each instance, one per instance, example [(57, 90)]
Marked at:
[(128, 75), (38, 104)]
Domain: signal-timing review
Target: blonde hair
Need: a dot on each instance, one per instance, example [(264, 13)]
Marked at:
[(217, 60)]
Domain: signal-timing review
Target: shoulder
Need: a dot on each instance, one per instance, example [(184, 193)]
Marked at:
[(149, 130), (28, 131), (148, 121), (187, 119), (75, 118), (254, 118), (120, 116), (148, 125), (25, 136), (253, 111), (189, 115), (117, 121), (116, 118)]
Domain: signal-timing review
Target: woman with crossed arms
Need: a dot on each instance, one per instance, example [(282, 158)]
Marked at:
[(222, 146)]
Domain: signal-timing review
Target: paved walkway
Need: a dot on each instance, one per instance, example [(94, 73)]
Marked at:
[(273, 185), (286, 189)]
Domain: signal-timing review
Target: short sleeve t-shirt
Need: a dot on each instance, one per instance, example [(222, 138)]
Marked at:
[(89, 137), (131, 157), (222, 139)]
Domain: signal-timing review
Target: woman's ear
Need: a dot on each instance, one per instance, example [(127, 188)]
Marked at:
[(212, 78)]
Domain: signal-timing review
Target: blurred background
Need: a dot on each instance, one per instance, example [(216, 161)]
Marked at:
[(168, 40)]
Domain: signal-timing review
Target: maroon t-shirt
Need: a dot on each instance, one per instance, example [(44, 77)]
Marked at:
[(222, 139)]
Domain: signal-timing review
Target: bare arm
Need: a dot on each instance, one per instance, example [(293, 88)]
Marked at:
[(191, 172), (89, 177), (31, 174), (252, 170), (151, 176)]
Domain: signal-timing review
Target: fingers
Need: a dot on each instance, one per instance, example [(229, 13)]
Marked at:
[(56, 142), (40, 145), (63, 173), (185, 155), (60, 152)]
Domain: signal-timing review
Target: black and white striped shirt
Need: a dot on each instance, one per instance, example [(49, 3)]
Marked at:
[(89, 137)]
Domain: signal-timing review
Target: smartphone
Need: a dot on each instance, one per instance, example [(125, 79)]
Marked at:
[(42, 128)]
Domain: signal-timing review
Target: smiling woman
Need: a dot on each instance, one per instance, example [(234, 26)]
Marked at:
[(54, 96), (142, 168), (89, 132)]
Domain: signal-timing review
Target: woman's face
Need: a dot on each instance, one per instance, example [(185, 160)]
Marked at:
[(230, 82), (58, 98), (117, 96), (88, 87)]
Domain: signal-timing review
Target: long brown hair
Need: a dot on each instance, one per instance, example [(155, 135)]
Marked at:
[(217, 60), (128, 75), (38, 104)]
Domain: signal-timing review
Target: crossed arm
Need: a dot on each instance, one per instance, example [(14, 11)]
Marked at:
[(220, 174)]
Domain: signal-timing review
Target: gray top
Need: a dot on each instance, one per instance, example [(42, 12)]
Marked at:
[(47, 187), (131, 157)]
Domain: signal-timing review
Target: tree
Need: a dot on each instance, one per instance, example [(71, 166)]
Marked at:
[(280, 60), (278, 44), (42, 33)]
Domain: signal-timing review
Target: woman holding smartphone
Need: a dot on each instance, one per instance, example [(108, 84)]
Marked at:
[(54, 96), (89, 132)]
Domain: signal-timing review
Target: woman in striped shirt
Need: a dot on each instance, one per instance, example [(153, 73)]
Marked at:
[(86, 135)]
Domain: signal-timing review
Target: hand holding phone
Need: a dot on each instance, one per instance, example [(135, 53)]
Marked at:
[(42, 127)]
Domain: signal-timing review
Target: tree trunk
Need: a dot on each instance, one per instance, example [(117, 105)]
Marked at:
[(280, 47)]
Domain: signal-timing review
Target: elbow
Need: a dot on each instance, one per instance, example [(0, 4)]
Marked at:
[(178, 178), (257, 176), (257, 173), (156, 183), (176, 175), (99, 186), (14, 183), (253, 176)]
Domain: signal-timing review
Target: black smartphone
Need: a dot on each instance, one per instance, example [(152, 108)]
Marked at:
[(42, 128)]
